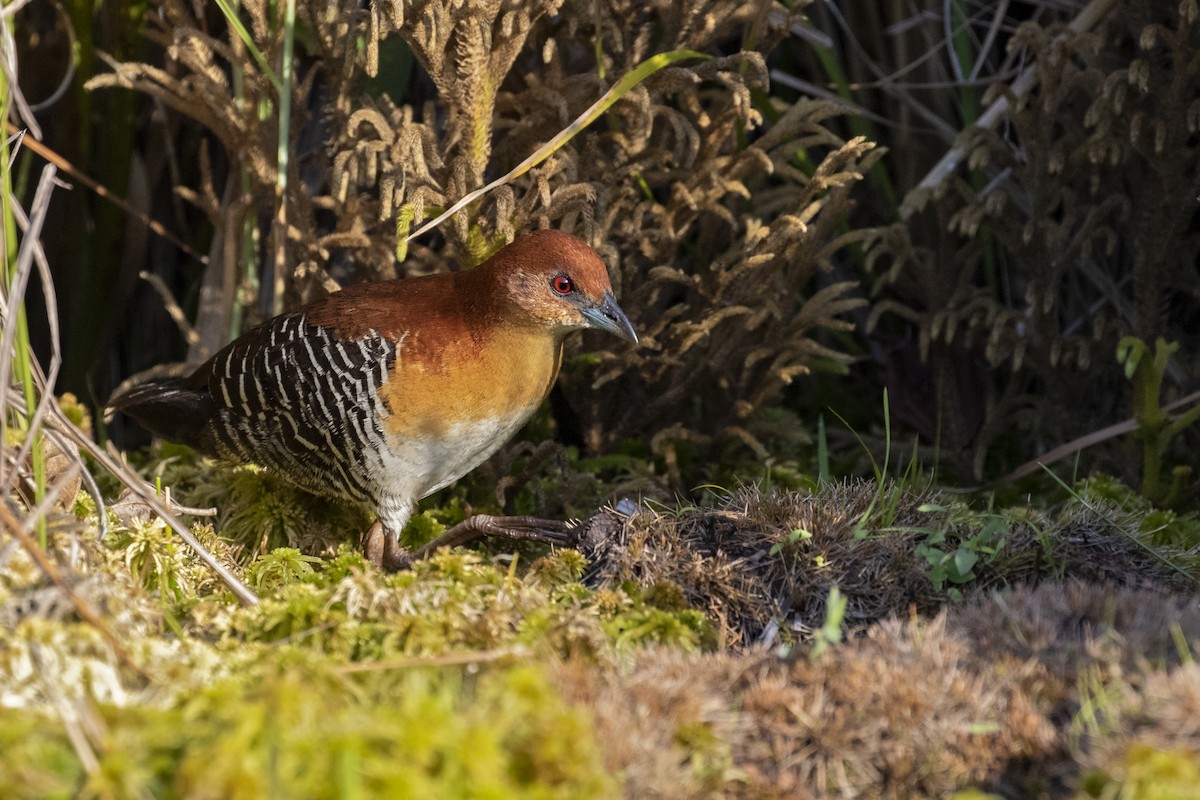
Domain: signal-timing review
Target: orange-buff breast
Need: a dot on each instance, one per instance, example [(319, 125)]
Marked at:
[(502, 377)]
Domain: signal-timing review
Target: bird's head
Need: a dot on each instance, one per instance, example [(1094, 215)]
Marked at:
[(559, 282)]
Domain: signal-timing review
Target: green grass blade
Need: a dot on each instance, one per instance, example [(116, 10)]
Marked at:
[(627, 83), (281, 158), (822, 451), (235, 22)]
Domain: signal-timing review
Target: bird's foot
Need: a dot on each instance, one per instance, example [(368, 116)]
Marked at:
[(382, 548), (549, 531)]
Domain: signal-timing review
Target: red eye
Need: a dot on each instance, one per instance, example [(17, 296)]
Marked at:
[(562, 284)]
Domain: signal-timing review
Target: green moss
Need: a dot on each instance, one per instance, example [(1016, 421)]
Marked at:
[(639, 623), (430, 523), (449, 603), (155, 557), (75, 411), (291, 727), (258, 512), (279, 567), (38, 761), (1147, 773), (666, 595), (558, 569)]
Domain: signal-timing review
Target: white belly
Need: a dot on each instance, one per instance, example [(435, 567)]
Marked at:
[(418, 466)]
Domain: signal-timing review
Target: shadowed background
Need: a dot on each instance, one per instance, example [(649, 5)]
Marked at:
[(763, 212)]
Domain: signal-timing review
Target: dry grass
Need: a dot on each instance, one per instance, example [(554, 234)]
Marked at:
[(743, 566), (984, 695)]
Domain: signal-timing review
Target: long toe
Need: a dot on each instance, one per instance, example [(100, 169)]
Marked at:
[(551, 531), (395, 557), (548, 531)]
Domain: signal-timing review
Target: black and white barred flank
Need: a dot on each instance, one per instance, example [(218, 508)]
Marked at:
[(288, 396)]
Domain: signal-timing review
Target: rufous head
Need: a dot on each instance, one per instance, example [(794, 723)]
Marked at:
[(561, 283)]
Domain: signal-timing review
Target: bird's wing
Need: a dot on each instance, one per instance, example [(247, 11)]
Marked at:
[(294, 397)]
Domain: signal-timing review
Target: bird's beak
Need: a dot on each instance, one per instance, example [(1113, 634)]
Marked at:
[(608, 316)]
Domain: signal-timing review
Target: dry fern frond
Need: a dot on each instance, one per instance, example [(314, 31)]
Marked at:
[(719, 242), (1028, 264)]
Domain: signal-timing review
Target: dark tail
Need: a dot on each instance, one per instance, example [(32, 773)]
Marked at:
[(168, 407)]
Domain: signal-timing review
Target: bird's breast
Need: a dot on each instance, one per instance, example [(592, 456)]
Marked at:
[(445, 412)]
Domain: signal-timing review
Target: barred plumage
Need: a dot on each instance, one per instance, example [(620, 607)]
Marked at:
[(326, 443)]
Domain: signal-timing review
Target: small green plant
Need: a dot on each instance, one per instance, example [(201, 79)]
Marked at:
[(794, 537), (1156, 426), (150, 553), (953, 559), (830, 633), (281, 566)]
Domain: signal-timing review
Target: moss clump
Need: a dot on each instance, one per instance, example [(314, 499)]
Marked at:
[(1147, 773), (38, 763), (290, 726), (569, 677), (448, 603), (257, 512)]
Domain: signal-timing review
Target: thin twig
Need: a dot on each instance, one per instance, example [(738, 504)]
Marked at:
[(67, 167), (92, 489), (989, 41), (47, 407), (42, 509), (146, 494), (177, 316), (8, 64), (16, 295), (69, 78), (1078, 445)]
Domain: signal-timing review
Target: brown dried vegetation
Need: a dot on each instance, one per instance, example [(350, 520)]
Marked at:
[(725, 292), (982, 696), (741, 565), (727, 211), (1070, 227)]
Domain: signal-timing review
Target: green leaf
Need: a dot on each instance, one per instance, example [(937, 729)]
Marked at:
[(235, 22), (964, 561), (627, 83)]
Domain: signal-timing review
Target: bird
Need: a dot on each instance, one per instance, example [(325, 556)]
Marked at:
[(384, 392)]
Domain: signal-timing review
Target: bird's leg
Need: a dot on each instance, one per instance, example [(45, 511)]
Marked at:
[(550, 531), (382, 548)]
